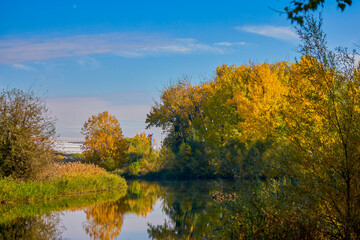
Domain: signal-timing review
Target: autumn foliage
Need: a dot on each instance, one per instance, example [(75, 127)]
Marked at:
[(104, 143), (294, 120)]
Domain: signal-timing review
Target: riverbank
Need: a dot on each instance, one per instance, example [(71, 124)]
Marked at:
[(67, 179), (168, 175)]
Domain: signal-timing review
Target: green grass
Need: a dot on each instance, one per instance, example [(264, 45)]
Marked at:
[(13, 192)]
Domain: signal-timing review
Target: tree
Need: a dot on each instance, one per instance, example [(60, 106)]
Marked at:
[(141, 158), (325, 93), (262, 97), (104, 143), (299, 8), (180, 104), (315, 108), (218, 123), (25, 134)]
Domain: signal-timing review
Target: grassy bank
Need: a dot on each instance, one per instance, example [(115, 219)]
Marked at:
[(59, 181)]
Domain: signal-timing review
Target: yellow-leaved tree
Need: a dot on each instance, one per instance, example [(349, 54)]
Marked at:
[(261, 99), (104, 142), (313, 107)]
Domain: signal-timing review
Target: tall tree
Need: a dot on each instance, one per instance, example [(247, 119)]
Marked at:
[(325, 94), (180, 104), (218, 122)]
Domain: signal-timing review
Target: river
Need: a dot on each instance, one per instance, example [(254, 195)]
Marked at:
[(147, 210)]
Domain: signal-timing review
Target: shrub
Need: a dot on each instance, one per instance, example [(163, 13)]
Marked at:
[(25, 134)]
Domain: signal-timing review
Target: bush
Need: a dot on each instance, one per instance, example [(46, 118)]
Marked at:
[(25, 134)]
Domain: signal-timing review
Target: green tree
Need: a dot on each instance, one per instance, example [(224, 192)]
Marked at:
[(141, 158), (180, 105), (25, 134), (218, 123)]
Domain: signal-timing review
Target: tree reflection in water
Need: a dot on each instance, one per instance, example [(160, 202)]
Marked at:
[(188, 205), (192, 213), (273, 209), (104, 221), (47, 226)]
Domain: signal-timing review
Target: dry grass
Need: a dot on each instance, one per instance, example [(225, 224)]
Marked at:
[(76, 169), (58, 170)]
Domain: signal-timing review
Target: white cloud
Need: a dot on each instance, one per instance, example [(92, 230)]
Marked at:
[(229, 44), (283, 33), (15, 51), (23, 67)]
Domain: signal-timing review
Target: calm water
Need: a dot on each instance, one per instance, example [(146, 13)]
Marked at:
[(148, 210)]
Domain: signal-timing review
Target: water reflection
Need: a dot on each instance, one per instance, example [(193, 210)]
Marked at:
[(187, 207), (104, 221), (191, 211), (47, 226)]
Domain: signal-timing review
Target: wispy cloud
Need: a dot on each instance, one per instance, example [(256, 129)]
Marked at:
[(229, 44), (283, 33), (87, 62), (23, 67), (15, 51)]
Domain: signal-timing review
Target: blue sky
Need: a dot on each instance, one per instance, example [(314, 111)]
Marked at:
[(90, 56)]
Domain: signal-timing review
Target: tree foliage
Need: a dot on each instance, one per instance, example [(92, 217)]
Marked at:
[(298, 8), (180, 103), (313, 106), (141, 158), (219, 118), (104, 143), (297, 121), (25, 134)]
